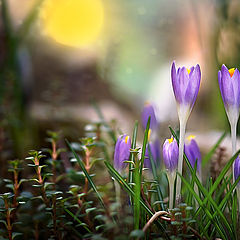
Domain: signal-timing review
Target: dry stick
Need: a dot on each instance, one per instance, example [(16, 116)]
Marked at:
[(54, 158), (151, 220), (16, 193), (36, 232), (87, 166)]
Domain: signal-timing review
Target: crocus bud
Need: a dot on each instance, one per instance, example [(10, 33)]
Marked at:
[(155, 151), (237, 169), (193, 153), (186, 83), (170, 154), (229, 84), (148, 111), (122, 152)]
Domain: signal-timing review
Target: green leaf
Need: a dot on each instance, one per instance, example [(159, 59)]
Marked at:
[(154, 172), (77, 219), (144, 145), (131, 159)]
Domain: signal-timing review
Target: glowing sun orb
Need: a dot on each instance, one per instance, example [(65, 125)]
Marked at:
[(75, 23)]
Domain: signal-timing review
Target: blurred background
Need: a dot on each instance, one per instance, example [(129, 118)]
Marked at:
[(58, 57)]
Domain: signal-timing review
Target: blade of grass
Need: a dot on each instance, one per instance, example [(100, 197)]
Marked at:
[(81, 164), (144, 146), (137, 192), (133, 146), (155, 177), (234, 212), (28, 21), (100, 115), (76, 219), (208, 156)]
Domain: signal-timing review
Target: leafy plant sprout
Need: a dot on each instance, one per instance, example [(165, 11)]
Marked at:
[(185, 83)]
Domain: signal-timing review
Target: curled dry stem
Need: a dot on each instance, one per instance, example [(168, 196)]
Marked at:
[(151, 220)]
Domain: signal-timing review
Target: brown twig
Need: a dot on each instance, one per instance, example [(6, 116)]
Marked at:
[(8, 218), (54, 158), (87, 166), (40, 180)]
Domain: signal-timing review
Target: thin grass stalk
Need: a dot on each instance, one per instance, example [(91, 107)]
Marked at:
[(137, 191)]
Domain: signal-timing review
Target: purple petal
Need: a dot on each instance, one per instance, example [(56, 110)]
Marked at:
[(236, 87), (193, 86), (193, 153), (220, 85), (175, 83), (148, 110), (237, 169), (227, 87), (170, 154)]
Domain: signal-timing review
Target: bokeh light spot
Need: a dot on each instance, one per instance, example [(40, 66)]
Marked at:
[(73, 22)]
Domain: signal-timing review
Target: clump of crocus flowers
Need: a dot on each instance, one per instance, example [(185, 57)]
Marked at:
[(186, 84)]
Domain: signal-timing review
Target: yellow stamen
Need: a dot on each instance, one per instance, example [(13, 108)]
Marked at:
[(231, 71), (149, 134), (126, 139), (190, 137), (170, 140), (188, 70)]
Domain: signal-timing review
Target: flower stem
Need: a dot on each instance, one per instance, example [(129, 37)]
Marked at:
[(180, 158), (238, 197), (171, 179), (118, 193), (233, 125)]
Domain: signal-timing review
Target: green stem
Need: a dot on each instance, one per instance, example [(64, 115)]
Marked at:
[(137, 190), (233, 125), (180, 157), (171, 179)]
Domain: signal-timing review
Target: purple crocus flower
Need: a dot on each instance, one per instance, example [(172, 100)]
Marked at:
[(170, 154), (186, 83), (193, 153), (148, 110), (237, 169), (122, 152), (229, 83), (155, 151)]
